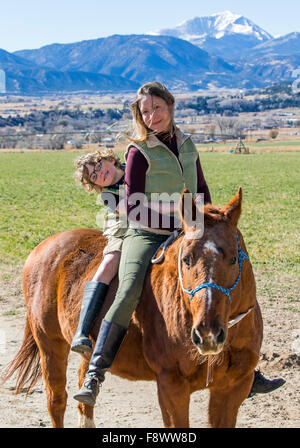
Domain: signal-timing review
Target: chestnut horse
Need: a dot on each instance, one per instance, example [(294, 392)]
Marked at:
[(185, 342)]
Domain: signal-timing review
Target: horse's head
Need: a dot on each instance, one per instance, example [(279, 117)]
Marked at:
[(212, 258)]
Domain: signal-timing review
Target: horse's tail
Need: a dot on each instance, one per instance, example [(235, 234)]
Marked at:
[(27, 362)]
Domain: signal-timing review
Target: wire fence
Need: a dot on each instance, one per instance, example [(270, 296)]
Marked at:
[(81, 138)]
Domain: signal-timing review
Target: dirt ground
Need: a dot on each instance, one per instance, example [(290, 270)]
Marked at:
[(125, 404)]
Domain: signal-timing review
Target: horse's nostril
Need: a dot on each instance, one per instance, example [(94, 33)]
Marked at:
[(195, 337), (221, 337)]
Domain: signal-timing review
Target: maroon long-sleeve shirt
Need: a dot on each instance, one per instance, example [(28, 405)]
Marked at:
[(135, 179)]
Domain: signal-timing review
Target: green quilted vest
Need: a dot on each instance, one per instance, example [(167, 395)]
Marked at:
[(167, 174)]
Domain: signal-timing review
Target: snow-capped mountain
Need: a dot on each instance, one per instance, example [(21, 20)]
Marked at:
[(224, 34), (221, 50)]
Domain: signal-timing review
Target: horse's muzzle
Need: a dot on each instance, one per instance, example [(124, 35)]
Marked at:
[(209, 341)]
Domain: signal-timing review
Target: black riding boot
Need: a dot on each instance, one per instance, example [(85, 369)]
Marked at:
[(93, 299), (262, 385), (109, 341)]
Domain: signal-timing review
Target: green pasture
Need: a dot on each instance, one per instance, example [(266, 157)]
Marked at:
[(38, 197), (265, 146), (275, 143)]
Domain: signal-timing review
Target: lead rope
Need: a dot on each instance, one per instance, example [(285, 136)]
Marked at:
[(209, 375), (163, 246)]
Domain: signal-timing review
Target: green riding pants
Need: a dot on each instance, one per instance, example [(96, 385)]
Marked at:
[(138, 248)]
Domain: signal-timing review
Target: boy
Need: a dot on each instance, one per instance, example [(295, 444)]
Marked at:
[(100, 172)]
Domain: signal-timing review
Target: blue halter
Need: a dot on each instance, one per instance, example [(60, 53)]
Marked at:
[(241, 257)]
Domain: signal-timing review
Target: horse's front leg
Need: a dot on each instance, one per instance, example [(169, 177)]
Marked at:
[(174, 399), (224, 403)]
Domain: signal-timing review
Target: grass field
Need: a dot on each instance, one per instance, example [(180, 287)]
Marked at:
[(38, 197), (263, 147)]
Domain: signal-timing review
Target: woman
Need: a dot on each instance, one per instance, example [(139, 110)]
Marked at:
[(160, 159)]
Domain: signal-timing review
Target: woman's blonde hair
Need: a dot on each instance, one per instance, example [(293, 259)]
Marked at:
[(140, 130), (81, 174)]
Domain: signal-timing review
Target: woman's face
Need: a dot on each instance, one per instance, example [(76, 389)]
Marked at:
[(103, 173), (155, 112)]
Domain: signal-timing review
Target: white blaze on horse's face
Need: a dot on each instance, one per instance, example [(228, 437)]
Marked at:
[(209, 332), (210, 245)]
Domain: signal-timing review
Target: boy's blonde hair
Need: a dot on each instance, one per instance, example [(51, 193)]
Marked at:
[(81, 174)]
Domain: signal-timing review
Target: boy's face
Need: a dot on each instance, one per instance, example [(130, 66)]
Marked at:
[(103, 173)]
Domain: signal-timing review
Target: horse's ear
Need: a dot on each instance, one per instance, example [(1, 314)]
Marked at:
[(233, 209), (187, 209)]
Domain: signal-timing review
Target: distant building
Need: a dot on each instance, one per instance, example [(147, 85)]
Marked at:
[(2, 81)]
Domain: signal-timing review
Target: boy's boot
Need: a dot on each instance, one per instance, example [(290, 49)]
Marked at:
[(93, 299)]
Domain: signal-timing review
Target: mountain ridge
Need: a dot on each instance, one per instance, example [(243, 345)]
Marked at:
[(224, 50), (137, 57), (24, 76)]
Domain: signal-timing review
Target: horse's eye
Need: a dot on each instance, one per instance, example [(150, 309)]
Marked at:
[(187, 260), (221, 250), (233, 260)]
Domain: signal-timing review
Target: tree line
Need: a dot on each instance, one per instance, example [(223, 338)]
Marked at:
[(52, 129), (233, 105)]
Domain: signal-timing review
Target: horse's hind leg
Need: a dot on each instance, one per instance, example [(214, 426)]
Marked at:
[(86, 413), (54, 358)]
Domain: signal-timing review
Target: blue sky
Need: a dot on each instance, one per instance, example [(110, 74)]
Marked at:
[(28, 24)]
